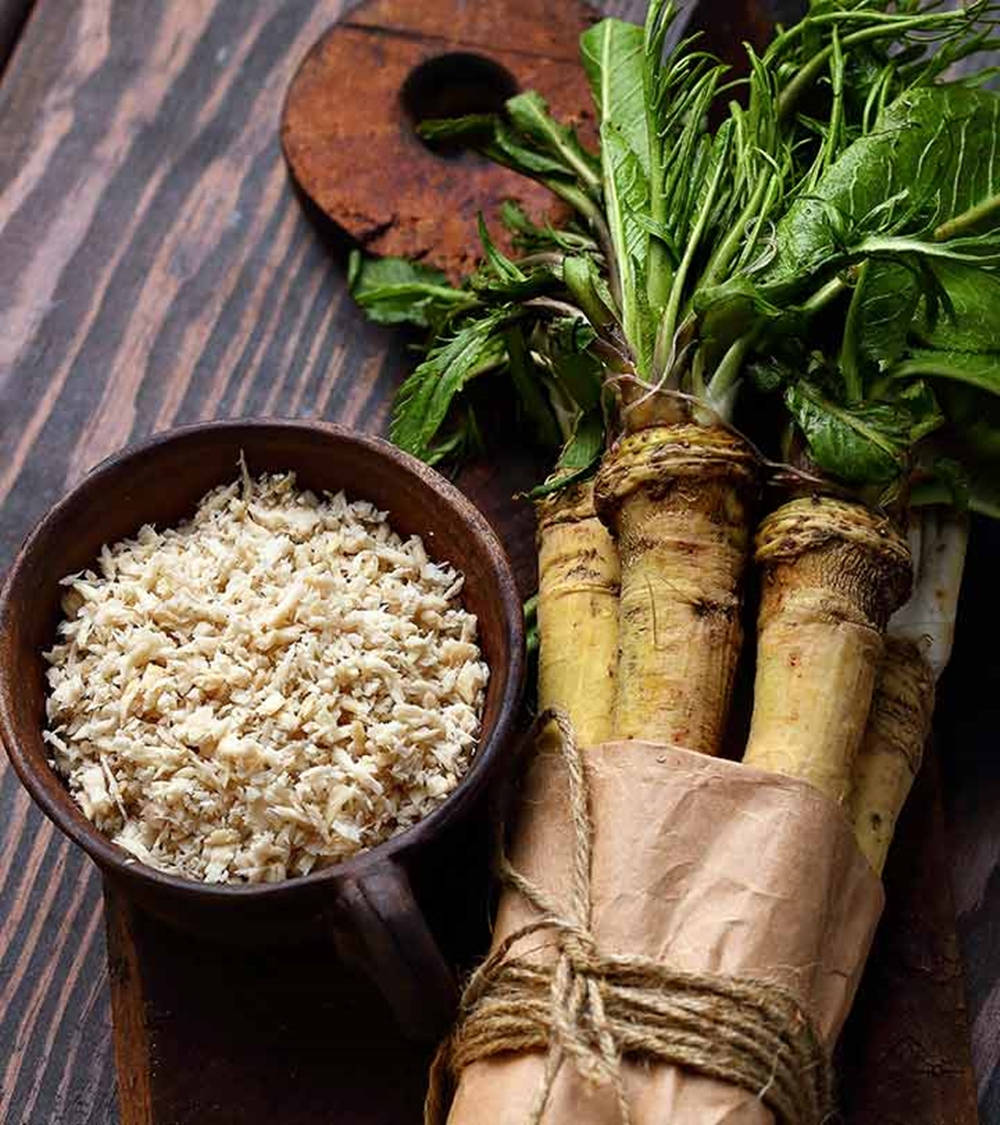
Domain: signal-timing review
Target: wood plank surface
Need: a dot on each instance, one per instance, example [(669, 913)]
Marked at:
[(156, 268), (899, 1062), (13, 14), (967, 720)]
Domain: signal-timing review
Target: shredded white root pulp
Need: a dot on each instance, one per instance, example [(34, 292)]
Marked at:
[(265, 689)]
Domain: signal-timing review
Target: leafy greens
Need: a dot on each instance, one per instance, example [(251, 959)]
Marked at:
[(830, 225)]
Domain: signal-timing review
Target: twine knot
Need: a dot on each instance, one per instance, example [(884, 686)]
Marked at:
[(596, 1009)]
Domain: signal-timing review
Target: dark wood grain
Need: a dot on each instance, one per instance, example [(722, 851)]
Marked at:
[(133, 1063), (282, 1034), (155, 268), (967, 719), (905, 1056), (13, 14)]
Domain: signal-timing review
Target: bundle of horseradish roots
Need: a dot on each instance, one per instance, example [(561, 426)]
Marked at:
[(763, 346)]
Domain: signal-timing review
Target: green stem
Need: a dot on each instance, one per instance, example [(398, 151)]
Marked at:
[(577, 198), (578, 279), (971, 218), (698, 375), (660, 271), (930, 492), (766, 206), (875, 102), (850, 347), (832, 141), (593, 214), (719, 393), (812, 69), (901, 244), (890, 22), (668, 325), (824, 295), (721, 260)]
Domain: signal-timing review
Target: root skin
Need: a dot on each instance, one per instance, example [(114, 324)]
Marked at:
[(677, 498), (832, 572), (577, 612), (893, 746)]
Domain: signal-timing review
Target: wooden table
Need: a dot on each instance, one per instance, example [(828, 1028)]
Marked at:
[(156, 268)]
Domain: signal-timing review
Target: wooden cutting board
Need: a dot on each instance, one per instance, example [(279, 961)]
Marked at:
[(209, 1034)]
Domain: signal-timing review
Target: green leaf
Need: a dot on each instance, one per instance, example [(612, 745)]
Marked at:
[(502, 143), (424, 399), (973, 421), (615, 59), (584, 448), (940, 480), (864, 444), (770, 373), (976, 370), (531, 237), (984, 492), (613, 54), (529, 389), (971, 320), (730, 310), (529, 113), (503, 280), (882, 308), (473, 129), (626, 195), (944, 307), (501, 265), (931, 156), (498, 141), (579, 456), (462, 441), (968, 486), (589, 290), (494, 290), (629, 191), (531, 635), (577, 372), (395, 291), (658, 91)]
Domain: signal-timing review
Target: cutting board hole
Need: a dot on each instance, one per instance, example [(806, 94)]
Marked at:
[(454, 85)]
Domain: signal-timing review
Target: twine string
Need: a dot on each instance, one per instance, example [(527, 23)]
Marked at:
[(595, 1009)]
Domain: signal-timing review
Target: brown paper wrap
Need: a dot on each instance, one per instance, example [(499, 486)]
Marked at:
[(700, 863)]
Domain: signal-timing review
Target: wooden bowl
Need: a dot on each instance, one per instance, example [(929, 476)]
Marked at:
[(160, 482)]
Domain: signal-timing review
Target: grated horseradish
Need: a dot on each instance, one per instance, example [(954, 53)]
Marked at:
[(265, 689)]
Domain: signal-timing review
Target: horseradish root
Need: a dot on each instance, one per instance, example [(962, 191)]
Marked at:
[(677, 498), (577, 612), (917, 649), (893, 746), (831, 573)]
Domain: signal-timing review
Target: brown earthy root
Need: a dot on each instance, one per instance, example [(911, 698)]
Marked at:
[(577, 612), (677, 498), (893, 746), (832, 572)]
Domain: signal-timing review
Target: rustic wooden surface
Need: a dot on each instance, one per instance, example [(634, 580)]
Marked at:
[(899, 1062), (13, 13), (337, 117), (156, 268)]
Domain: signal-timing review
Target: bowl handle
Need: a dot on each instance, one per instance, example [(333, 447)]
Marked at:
[(379, 927)]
